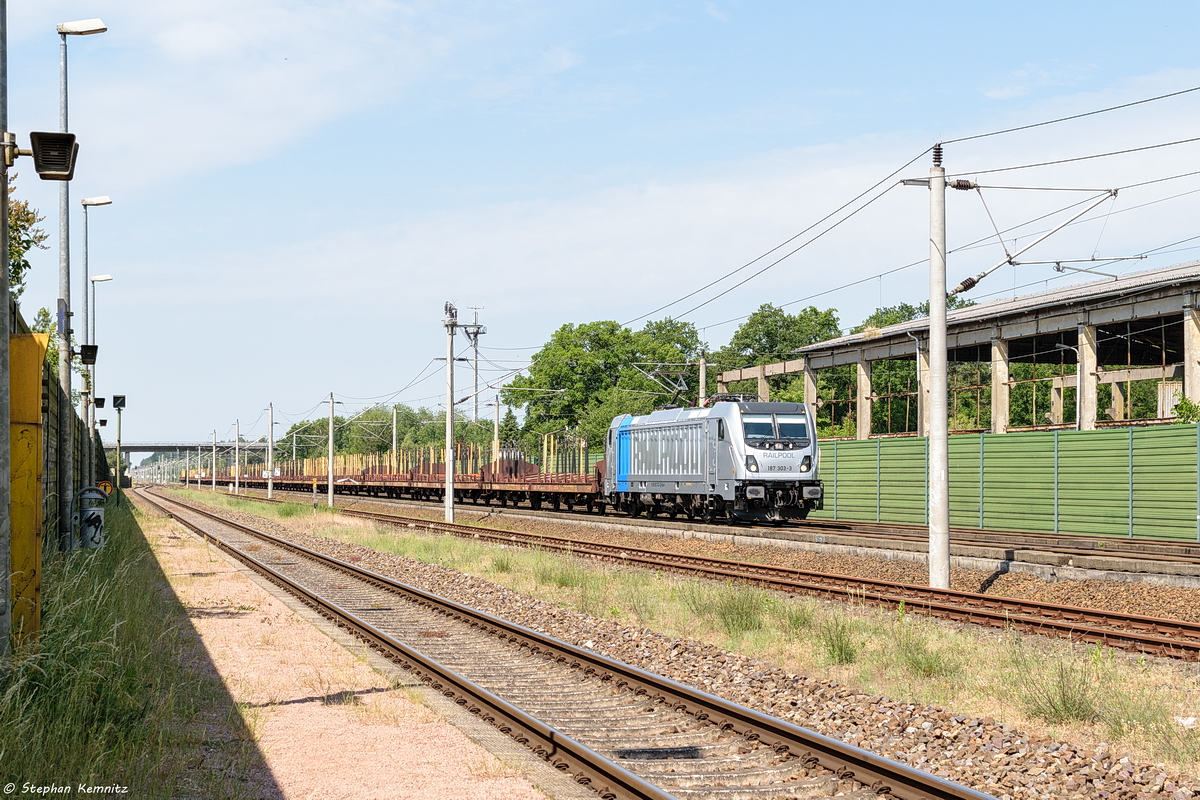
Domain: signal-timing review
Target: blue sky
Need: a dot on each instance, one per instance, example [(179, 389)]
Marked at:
[(299, 186)]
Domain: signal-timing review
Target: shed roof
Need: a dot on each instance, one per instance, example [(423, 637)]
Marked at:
[(1080, 296)]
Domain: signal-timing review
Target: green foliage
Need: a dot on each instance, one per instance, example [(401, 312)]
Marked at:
[(1186, 411), (105, 695), (740, 609), (839, 641), (371, 432), (771, 334), (44, 322), (586, 375), (795, 615), (1067, 693), (919, 658), (23, 235), (903, 312)]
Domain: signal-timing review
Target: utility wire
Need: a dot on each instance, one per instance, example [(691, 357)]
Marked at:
[(986, 241), (1078, 158), (831, 228), (750, 263), (1073, 116)]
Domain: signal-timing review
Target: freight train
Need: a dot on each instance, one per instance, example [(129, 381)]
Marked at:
[(732, 460)]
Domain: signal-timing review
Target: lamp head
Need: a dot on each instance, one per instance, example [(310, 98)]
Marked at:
[(82, 27), (102, 200), (54, 155), (100, 278)]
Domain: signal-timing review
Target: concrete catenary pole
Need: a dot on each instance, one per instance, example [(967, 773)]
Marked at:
[(329, 461), (214, 462), (395, 446), (237, 456), (187, 457), (939, 456), (496, 436), (474, 333), (270, 450), (451, 322), (5, 443), (702, 395)]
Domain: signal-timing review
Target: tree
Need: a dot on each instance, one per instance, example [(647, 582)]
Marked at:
[(588, 372), (903, 312), (23, 236), (510, 429), (769, 335)]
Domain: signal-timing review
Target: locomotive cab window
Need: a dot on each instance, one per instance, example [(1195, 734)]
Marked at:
[(721, 429), (758, 426), (792, 426)]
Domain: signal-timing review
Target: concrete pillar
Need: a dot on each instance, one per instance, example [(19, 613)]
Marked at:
[(1000, 387), (764, 388), (1191, 352), (923, 392), (810, 387), (1120, 399), (1056, 401), (864, 400), (1088, 383), (722, 387)]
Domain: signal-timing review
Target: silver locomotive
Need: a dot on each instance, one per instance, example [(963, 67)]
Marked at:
[(742, 461)]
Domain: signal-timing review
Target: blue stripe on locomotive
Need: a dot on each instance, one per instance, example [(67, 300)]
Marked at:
[(623, 435)]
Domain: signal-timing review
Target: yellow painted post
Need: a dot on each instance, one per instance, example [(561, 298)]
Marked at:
[(27, 354)]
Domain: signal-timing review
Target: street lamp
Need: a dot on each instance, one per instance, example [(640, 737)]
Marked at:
[(83, 27), (89, 471), (92, 406), (1078, 383)]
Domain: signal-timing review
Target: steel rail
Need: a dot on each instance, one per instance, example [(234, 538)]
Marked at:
[(1178, 639), (882, 775), (609, 780), (1069, 545)]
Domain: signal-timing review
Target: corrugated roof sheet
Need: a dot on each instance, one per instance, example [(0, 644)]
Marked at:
[(1092, 290)]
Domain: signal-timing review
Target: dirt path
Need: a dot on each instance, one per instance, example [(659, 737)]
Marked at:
[(331, 725)]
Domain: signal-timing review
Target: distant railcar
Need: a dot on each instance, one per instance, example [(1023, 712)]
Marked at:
[(743, 461)]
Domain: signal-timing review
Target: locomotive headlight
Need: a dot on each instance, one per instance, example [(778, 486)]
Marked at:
[(806, 464), (751, 464)]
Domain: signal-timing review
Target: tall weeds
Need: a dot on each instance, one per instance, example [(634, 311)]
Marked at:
[(103, 696)]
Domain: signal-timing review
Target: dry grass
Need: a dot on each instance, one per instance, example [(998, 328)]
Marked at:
[(117, 687)]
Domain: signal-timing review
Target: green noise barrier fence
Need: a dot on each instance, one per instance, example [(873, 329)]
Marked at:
[(1113, 482)]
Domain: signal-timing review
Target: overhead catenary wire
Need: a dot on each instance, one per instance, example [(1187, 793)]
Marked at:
[(985, 241), (786, 242), (1077, 158), (1071, 117)]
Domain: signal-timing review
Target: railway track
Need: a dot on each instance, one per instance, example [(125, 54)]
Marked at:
[(623, 732), (1177, 639), (1065, 549)]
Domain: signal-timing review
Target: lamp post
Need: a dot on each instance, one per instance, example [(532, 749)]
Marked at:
[(89, 448), (92, 340), (66, 457), (1078, 383)]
